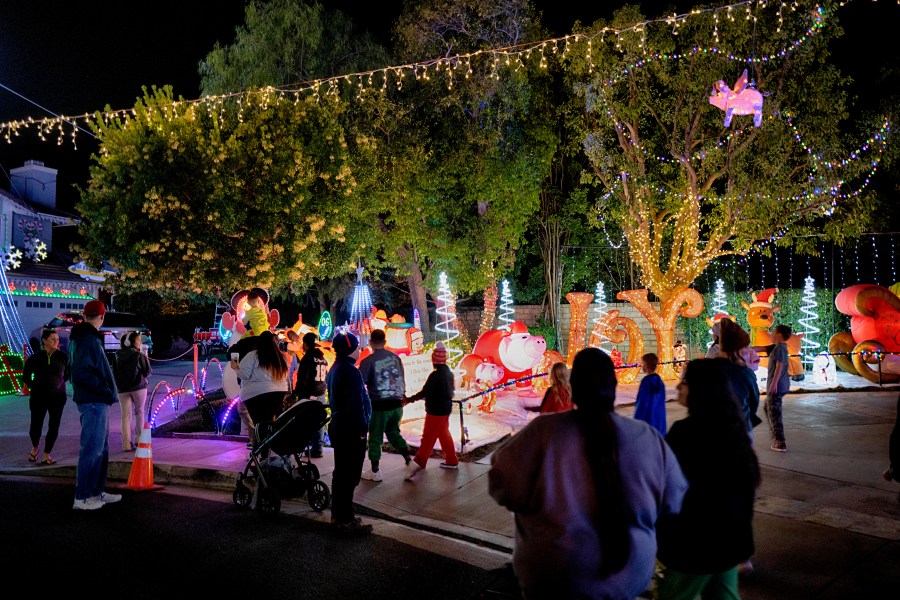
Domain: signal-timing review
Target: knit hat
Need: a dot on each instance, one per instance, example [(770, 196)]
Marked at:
[(94, 308), (732, 337), (439, 354), (344, 344)]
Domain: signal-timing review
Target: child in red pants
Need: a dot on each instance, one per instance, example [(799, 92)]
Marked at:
[(438, 394)]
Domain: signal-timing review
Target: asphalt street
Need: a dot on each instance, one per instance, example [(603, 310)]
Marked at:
[(164, 544)]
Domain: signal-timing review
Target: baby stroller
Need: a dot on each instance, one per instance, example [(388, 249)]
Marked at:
[(288, 472)]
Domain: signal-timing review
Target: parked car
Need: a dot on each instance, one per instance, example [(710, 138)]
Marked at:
[(115, 324)]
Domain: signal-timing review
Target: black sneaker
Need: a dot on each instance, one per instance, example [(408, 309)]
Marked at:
[(449, 466), (355, 526)]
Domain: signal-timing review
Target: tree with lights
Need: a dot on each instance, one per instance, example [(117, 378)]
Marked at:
[(808, 321), (507, 311), (600, 305), (447, 324), (685, 189)]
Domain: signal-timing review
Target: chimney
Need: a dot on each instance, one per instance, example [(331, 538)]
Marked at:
[(34, 182)]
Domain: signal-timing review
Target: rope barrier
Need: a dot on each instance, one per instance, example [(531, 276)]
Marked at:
[(191, 349)]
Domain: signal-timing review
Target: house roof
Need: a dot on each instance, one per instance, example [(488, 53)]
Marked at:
[(57, 217)]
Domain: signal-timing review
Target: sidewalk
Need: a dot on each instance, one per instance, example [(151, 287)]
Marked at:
[(827, 524)]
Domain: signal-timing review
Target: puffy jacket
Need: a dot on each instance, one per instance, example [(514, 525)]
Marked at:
[(92, 377)]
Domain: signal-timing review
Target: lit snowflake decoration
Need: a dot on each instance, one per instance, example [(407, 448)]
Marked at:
[(35, 249), (11, 258)]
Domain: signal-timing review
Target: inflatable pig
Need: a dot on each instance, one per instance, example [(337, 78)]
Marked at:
[(515, 350)]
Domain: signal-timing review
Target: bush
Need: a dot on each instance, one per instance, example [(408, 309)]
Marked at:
[(545, 328)]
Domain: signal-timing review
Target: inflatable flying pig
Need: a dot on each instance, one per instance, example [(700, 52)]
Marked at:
[(742, 100)]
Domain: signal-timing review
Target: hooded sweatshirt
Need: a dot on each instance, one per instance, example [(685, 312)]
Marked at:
[(131, 368), (92, 377)]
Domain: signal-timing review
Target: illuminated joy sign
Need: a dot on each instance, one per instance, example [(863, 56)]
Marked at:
[(325, 326)]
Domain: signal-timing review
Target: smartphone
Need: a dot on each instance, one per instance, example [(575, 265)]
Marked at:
[(235, 357)]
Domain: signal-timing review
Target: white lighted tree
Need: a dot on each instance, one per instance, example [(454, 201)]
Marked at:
[(447, 325), (600, 305), (507, 311), (810, 347)]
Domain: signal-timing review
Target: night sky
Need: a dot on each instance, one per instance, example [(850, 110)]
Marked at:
[(73, 60)]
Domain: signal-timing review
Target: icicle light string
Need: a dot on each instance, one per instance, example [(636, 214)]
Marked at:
[(497, 58)]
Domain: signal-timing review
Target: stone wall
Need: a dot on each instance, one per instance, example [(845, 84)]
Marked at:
[(529, 314)]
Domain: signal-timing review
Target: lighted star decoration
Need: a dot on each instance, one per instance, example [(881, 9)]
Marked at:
[(11, 258)]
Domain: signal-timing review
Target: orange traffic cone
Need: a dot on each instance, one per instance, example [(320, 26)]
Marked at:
[(141, 476)]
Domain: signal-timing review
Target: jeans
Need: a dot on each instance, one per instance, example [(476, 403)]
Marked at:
[(93, 457), (773, 413)]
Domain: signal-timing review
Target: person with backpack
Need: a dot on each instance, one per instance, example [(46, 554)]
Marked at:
[(131, 368)]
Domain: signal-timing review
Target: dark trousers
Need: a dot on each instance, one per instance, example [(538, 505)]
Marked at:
[(40, 406), (773, 413), (349, 454)]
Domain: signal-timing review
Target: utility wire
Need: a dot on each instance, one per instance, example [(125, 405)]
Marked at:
[(47, 110)]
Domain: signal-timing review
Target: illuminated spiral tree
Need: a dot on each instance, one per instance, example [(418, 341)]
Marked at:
[(446, 311), (719, 304), (507, 312), (600, 305), (810, 347)]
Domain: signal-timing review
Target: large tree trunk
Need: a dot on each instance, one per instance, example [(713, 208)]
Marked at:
[(416, 291), (552, 239)]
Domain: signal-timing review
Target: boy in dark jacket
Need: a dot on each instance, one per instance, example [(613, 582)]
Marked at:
[(438, 393), (348, 430), (311, 372)]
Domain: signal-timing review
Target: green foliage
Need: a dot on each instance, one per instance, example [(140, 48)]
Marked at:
[(546, 328), (696, 331), (203, 198), (288, 41)]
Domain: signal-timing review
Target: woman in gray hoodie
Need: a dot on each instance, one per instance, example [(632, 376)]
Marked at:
[(131, 368)]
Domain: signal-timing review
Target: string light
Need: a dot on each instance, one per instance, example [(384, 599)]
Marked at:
[(380, 77), (875, 262)]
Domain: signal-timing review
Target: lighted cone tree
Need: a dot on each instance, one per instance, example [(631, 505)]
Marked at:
[(600, 305), (507, 312), (808, 321), (719, 305), (447, 323), (687, 184)]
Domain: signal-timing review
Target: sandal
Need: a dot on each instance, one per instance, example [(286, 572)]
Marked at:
[(48, 460), (32, 456)]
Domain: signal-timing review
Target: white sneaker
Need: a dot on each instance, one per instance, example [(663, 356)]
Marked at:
[(373, 475), (87, 504), (411, 469), (109, 498)]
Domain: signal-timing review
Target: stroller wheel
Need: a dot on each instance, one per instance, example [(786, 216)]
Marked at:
[(268, 502), (307, 472), (319, 496), (242, 495)]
